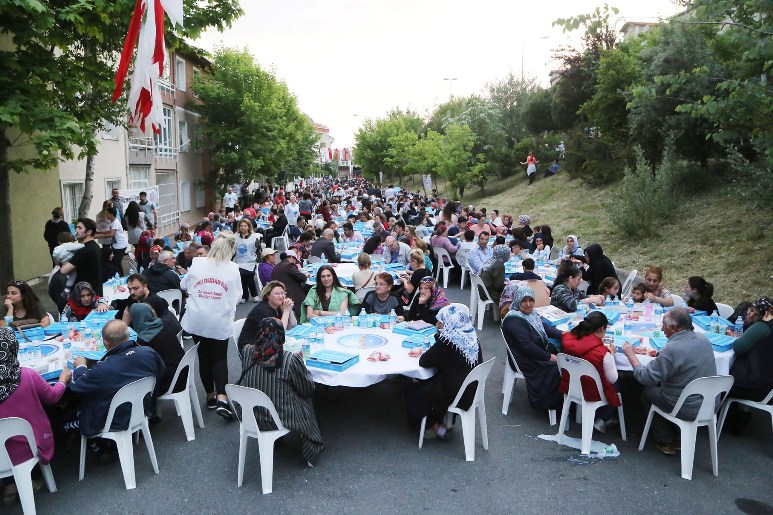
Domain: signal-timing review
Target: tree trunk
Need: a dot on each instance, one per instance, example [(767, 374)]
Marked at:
[(88, 187), (6, 235)]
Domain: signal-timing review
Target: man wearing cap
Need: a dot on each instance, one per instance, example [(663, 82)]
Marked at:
[(288, 273), (266, 266)]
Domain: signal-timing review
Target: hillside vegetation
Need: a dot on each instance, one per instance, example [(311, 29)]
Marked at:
[(713, 234)]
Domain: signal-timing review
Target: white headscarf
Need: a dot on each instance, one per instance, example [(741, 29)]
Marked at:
[(458, 329)]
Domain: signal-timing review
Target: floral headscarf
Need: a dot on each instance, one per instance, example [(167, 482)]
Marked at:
[(498, 253), (762, 304), (458, 329), (524, 220), (437, 297), (534, 320), (269, 344), (10, 372)]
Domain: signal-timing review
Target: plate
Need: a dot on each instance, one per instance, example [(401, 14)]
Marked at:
[(362, 341)]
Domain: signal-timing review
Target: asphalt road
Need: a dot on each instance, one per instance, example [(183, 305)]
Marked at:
[(371, 464)]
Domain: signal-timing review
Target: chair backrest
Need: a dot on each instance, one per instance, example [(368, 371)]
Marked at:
[(478, 374), (249, 399), (133, 393), (188, 361), (628, 284), (554, 251), (708, 388), (280, 243), (236, 330), (583, 286), (170, 296), (509, 352), (577, 368), (462, 256), (9, 428), (442, 255), (679, 301), (725, 311), (362, 292), (314, 259), (478, 287), (258, 282), (542, 298)]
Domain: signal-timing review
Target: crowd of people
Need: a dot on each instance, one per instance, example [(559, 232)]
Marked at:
[(227, 257)]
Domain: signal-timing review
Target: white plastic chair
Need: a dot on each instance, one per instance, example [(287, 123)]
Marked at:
[(577, 368), (12, 427), (171, 296), (708, 388), (479, 305), (249, 399), (444, 264), (462, 256), (554, 252), (763, 405), (725, 311), (360, 294), (479, 374), (133, 393), (628, 284), (509, 381), (258, 282), (679, 301), (187, 397), (315, 259), (236, 331)]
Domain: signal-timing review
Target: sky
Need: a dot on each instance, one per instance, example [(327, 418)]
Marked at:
[(349, 60)]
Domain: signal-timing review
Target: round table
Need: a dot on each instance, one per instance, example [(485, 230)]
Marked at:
[(365, 373)]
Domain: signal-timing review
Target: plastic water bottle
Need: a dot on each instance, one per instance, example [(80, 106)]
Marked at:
[(714, 327), (362, 321), (425, 345), (347, 321), (132, 271), (627, 324), (339, 321), (306, 348), (629, 304), (324, 258), (88, 335), (392, 319), (738, 326), (658, 309)]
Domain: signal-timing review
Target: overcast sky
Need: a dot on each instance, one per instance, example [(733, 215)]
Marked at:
[(347, 60)]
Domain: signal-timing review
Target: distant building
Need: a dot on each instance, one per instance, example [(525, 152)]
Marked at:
[(632, 29), (555, 76)]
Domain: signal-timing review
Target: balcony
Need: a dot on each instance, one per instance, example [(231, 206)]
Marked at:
[(141, 151)]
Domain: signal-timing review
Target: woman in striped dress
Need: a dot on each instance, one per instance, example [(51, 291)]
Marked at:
[(282, 376)]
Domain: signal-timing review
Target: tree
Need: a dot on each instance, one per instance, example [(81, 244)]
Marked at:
[(538, 112), (251, 124), (457, 164), (375, 139)]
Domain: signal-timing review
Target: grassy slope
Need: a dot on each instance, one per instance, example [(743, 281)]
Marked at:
[(713, 234)]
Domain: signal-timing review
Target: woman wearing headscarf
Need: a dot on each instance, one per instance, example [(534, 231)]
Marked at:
[(428, 302), (527, 337), (82, 301), (455, 353), (282, 376), (492, 273), (598, 267), (22, 394), (523, 222), (153, 333), (572, 251)]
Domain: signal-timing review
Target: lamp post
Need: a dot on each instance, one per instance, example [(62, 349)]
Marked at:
[(450, 82)]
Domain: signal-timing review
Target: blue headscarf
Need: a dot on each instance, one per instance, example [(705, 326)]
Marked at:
[(458, 329)]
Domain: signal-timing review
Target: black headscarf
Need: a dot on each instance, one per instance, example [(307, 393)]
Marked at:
[(600, 267)]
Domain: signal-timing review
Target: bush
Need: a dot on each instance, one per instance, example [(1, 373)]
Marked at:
[(754, 183), (594, 159), (645, 198)]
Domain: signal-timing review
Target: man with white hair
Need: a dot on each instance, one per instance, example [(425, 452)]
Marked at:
[(161, 275), (396, 251), (324, 246)]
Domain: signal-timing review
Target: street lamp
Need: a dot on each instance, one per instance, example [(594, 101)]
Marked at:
[(523, 44), (450, 82)]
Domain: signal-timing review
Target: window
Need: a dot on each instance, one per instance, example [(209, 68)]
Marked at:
[(200, 197), (110, 185), (139, 177), (179, 74), (185, 196), (167, 199), (111, 131), (72, 193), (164, 142), (183, 142)]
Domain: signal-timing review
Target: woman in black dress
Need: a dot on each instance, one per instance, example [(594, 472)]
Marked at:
[(428, 302), (56, 225)]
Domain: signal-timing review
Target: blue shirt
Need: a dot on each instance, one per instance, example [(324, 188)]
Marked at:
[(477, 257)]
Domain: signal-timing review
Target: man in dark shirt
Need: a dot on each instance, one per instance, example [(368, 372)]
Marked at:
[(161, 275), (138, 292), (87, 262), (528, 272), (324, 246)]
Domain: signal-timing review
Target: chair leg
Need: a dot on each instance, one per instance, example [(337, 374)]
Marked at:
[(646, 430), (184, 407), (588, 414), (689, 434), (564, 417), (445, 277), (242, 455), (552, 417), (468, 432), (266, 449), (722, 415), (483, 424), (126, 456), (481, 314), (621, 416), (508, 385), (713, 444), (48, 475), (194, 395), (421, 431), (149, 444), (23, 479), (82, 468)]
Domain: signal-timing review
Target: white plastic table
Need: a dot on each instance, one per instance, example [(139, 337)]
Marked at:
[(365, 373)]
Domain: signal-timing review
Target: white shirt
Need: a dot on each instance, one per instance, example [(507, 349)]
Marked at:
[(120, 240), (230, 200), (292, 212), (245, 256), (213, 289)]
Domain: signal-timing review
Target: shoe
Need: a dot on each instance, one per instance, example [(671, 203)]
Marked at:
[(256, 299), (600, 426), (224, 410), (211, 402), (430, 434), (242, 301), (666, 448)]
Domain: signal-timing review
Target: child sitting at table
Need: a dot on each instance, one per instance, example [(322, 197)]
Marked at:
[(610, 287), (63, 253), (637, 293), (528, 272)]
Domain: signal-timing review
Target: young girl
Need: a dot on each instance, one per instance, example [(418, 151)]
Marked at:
[(610, 287), (699, 293)]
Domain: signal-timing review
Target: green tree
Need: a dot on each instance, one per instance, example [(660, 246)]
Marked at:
[(375, 139), (538, 112), (460, 167), (251, 124)]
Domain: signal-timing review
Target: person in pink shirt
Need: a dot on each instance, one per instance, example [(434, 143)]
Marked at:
[(482, 226), (22, 394), (440, 239)]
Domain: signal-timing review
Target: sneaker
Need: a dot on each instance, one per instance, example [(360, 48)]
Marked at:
[(256, 299), (429, 434), (211, 402), (666, 448), (224, 410), (242, 301), (600, 426)]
